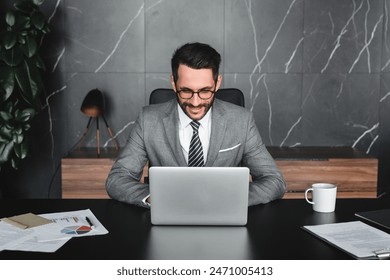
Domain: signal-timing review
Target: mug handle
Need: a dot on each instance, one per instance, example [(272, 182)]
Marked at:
[(308, 190)]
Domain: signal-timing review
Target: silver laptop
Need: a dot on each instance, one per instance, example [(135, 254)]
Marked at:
[(199, 195)]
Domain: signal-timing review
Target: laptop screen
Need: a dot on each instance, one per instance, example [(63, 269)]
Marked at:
[(199, 195)]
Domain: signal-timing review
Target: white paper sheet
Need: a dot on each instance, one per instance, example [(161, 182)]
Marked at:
[(355, 238), (33, 245), (11, 235)]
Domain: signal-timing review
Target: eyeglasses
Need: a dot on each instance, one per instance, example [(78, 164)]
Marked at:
[(189, 93)]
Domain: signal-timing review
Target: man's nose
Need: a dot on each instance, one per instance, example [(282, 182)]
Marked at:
[(195, 100)]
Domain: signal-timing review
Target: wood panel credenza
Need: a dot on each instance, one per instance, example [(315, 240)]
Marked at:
[(354, 172), (84, 174)]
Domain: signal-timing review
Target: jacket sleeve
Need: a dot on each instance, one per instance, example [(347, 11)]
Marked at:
[(267, 181), (123, 180)]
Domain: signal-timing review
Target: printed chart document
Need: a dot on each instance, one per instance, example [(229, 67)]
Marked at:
[(72, 224), (355, 238), (50, 237)]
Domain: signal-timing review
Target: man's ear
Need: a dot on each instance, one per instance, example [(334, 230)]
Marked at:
[(219, 81), (173, 83)]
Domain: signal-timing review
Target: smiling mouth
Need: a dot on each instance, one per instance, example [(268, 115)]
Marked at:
[(195, 112), (189, 106), (196, 108)]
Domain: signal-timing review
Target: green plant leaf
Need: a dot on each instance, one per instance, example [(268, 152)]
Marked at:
[(38, 2), (9, 126), (21, 150), (22, 22), (15, 163), (10, 38), (18, 139), (6, 133), (24, 6), (26, 115), (5, 151), (38, 20), (21, 39), (3, 139), (22, 80), (13, 56), (7, 81), (30, 47), (5, 117), (9, 107), (35, 78), (26, 127), (29, 81), (10, 18), (17, 131)]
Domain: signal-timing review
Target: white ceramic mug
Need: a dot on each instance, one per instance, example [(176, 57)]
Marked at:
[(323, 197)]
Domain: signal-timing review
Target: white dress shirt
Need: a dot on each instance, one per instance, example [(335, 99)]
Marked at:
[(185, 135), (186, 131)]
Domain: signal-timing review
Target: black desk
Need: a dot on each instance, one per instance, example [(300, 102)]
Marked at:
[(273, 232)]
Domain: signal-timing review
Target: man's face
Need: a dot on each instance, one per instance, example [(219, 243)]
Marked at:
[(195, 80)]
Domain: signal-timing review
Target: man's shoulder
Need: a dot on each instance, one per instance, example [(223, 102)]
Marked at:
[(228, 108), (159, 110)]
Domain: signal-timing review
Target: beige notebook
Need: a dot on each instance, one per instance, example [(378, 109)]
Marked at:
[(28, 220)]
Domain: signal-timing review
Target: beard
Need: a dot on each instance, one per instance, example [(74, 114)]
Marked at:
[(185, 105)]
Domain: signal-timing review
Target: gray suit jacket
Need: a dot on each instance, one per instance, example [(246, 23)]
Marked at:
[(234, 141)]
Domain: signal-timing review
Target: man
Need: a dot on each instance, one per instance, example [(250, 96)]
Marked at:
[(168, 134)]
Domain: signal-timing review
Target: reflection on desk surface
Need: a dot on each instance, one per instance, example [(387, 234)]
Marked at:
[(317, 218), (178, 242)]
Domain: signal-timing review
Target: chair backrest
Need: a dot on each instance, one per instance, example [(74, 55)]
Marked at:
[(232, 95)]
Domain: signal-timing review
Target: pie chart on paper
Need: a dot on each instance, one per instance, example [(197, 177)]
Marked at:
[(76, 230)]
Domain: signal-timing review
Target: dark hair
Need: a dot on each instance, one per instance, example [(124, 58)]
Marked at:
[(196, 56)]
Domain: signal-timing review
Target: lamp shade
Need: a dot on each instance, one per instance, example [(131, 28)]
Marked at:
[(93, 105)]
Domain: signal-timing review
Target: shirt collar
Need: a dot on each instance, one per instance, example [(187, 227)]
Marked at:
[(185, 120)]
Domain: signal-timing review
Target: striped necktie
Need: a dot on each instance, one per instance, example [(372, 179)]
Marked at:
[(195, 153)]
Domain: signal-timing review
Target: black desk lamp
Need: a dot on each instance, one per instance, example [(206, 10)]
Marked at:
[(93, 107)]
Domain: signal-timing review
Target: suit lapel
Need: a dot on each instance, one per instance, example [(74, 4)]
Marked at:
[(171, 126), (218, 127)]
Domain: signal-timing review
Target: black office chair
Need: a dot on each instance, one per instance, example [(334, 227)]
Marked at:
[(232, 95)]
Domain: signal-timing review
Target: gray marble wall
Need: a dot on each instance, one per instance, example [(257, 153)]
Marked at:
[(314, 72)]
